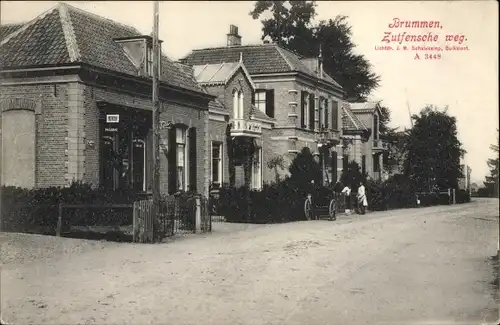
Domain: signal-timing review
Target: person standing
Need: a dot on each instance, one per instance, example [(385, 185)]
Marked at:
[(362, 201), (347, 192)]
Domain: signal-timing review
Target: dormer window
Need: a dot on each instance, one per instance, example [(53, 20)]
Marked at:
[(149, 60), (139, 50)]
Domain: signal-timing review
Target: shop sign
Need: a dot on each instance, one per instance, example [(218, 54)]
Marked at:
[(112, 118), (111, 129)]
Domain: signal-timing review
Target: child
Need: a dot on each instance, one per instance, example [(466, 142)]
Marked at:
[(347, 192)]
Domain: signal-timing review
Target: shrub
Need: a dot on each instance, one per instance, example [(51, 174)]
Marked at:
[(397, 192), (462, 196), (275, 203), (36, 210)]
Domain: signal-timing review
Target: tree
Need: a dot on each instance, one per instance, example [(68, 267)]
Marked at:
[(493, 164), (432, 151), (291, 26), (275, 163), (352, 176), (305, 169)]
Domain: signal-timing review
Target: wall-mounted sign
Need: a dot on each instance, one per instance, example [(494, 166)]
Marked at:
[(112, 118), (111, 130), (166, 125)]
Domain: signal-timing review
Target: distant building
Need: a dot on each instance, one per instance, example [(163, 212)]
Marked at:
[(363, 144)]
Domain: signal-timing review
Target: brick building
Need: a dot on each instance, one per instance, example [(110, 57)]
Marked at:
[(76, 105), (361, 128), (295, 102)]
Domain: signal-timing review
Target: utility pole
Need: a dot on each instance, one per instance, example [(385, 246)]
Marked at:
[(156, 132)]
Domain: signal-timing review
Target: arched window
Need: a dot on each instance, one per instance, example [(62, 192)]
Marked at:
[(18, 148), (235, 105), (240, 106)]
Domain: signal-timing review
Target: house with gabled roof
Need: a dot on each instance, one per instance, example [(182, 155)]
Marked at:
[(361, 129), (237, 129), (76, 105), (293, 92)]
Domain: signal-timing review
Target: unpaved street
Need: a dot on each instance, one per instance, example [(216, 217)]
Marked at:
[(417, 266)]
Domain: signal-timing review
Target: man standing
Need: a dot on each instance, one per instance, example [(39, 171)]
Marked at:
[(362, 201)]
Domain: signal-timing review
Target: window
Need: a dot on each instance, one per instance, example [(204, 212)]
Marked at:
[(180, 162), (240, 105), (217, 163), (236, 111), (376, 163), (321, 111), (326, 108), (260, 100), (375, 127), (305, 110), (257, 170), (311, 112), (345, 162), (139, 165), (334, 166), (149, 59), (363, 164), (18, 148), (335, 115)]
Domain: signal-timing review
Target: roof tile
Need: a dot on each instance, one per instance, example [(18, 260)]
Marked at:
[(258, 59), (43, 42)]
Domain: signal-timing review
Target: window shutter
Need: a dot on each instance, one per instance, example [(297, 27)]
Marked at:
[(363, 164), (345, 162), (334, 167), (171, 160), (192, 159), (311, 112), (326, 113), (270, 103), (303, 110), (335, 115), (253, 97)]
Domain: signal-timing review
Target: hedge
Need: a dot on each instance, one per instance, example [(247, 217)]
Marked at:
[(276, 203), (36, 210)]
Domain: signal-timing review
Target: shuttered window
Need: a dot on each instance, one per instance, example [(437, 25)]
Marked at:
[(335, 115), (311, 112), (304, 109), (192, 160), (363, 164), (171, 157), (334, 167), (327, 115), (270, 103)]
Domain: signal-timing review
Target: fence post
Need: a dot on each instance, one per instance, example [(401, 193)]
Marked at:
[(197, 227), (454, 196), (59, 220), (134, 223), (449, 196)]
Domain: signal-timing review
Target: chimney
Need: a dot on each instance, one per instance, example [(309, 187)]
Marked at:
[(233, 39), (320, 62)]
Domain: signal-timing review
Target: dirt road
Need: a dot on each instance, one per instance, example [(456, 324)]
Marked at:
[(418, 266)]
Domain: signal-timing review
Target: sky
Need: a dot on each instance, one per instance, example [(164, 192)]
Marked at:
[(465, 81)]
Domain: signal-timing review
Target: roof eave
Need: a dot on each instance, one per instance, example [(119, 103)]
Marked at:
[(163, 84)]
